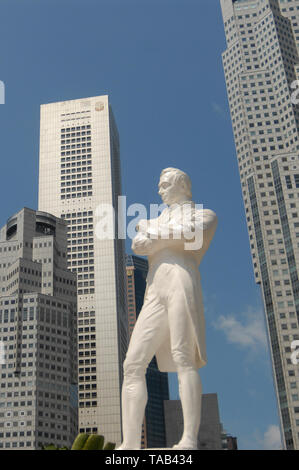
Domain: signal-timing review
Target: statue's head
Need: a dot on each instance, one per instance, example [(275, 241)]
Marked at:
[(174, 186)]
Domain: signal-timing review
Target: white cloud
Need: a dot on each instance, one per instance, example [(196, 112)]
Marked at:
[(218, 109), (269, 440), (247, 330), (272, 438)]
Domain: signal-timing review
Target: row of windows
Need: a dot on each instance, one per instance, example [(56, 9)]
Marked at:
[(78, 235), (73, 189), (73, 258), (13, 445), (75, 195), (79, 163), (24, 364), (14, 404), (88, 404), (78, 138), (86, 321), (88, 430), (77, 156), (74, 228), (15, 414), (289, 183), (84, 254), (86, 314), (87, 362), (87, 395), (76, 215), (72, 129), (11, 248), (76, 266), (76, 152), (66, 133), (86, 291), (87, 353), (87, 346), (284, 326), (79, 170), (85, 277), (52, 425), (83, 146), (86, 386), (85, 378), (86, 330)]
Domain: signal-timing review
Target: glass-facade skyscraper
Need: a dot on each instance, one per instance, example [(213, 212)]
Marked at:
[(261, 66), (79, 175)]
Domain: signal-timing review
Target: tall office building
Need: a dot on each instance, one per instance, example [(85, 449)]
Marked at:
[(38, 388), (153, 429), (79, 173), (261, 63)]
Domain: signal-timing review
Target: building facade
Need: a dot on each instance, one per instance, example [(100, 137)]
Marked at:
[(153, 429), (229, 442), (261, 69), (38, 323), (79, 180)]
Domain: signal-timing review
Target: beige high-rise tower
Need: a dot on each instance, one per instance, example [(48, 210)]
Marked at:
[(261, 65), (80, 170)]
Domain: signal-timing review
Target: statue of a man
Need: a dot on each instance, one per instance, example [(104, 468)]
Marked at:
[(171, 323)]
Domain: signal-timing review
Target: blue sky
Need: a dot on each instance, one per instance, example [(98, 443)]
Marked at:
[(160, 63)]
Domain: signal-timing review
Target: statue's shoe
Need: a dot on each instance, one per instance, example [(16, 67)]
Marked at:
[(185, 446), (122, 447)]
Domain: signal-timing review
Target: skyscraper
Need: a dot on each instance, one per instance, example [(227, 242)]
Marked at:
[(260, 65), (38, 322), (153, 429), (79, 173)]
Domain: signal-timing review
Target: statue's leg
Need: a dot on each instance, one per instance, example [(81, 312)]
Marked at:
[(146, 338), (183, 347), (134, 399), (190, 393)]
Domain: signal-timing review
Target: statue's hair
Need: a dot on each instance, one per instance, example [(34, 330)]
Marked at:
[(181, 177)]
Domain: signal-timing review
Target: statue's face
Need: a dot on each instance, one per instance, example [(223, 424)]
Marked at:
[(170, 191)]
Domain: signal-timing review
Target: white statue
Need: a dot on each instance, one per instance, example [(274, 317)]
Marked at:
[(171, 323)]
